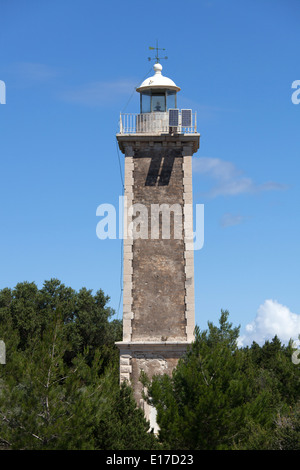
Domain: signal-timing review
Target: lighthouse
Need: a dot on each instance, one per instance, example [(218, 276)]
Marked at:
[(158, 143)]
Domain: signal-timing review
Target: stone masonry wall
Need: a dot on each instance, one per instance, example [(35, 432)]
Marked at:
[(158, 279)]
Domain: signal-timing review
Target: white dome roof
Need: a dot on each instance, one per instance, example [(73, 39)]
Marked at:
[(157, 81)]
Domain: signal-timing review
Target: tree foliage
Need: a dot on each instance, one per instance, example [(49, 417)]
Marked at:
[(224, 397), (60, 387)]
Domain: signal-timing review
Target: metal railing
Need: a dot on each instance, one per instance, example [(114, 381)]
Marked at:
[(154, 123)]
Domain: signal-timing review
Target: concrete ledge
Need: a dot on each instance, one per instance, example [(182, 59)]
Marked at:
[(151, 346), (129, 142)]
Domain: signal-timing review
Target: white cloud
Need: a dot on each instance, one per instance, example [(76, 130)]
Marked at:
[(228, 220), (99, 93), (33, 71), (229, 180), (272, 319)]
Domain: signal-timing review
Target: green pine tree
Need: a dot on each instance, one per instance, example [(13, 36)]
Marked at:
[(213, 394)]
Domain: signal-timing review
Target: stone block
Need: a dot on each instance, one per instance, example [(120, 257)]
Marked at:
[(126, 369), (187, 170), (128, 179), (128, 241), (124, 376), (127, 326), (127, 248), (126, 336), (128, 255), (188, 197), (189, 271), (127, 268), (187, 181), (127, 298), (128, 315), (127, 308), (124, 361), (189, 255), (129, 164), (188, 211)]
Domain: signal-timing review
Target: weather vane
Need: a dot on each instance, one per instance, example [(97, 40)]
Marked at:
[(157, 49)]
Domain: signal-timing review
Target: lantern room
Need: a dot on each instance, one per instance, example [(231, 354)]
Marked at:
[(157, 93)]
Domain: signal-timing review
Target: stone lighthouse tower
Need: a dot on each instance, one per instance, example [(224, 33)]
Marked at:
[(158, 274)]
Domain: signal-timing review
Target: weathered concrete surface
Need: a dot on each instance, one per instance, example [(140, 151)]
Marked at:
[(158, 282)]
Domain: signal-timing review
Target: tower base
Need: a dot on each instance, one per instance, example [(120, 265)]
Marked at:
[(153, 358)]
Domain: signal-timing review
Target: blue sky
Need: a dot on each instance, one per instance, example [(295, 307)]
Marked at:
[(70, 67)]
